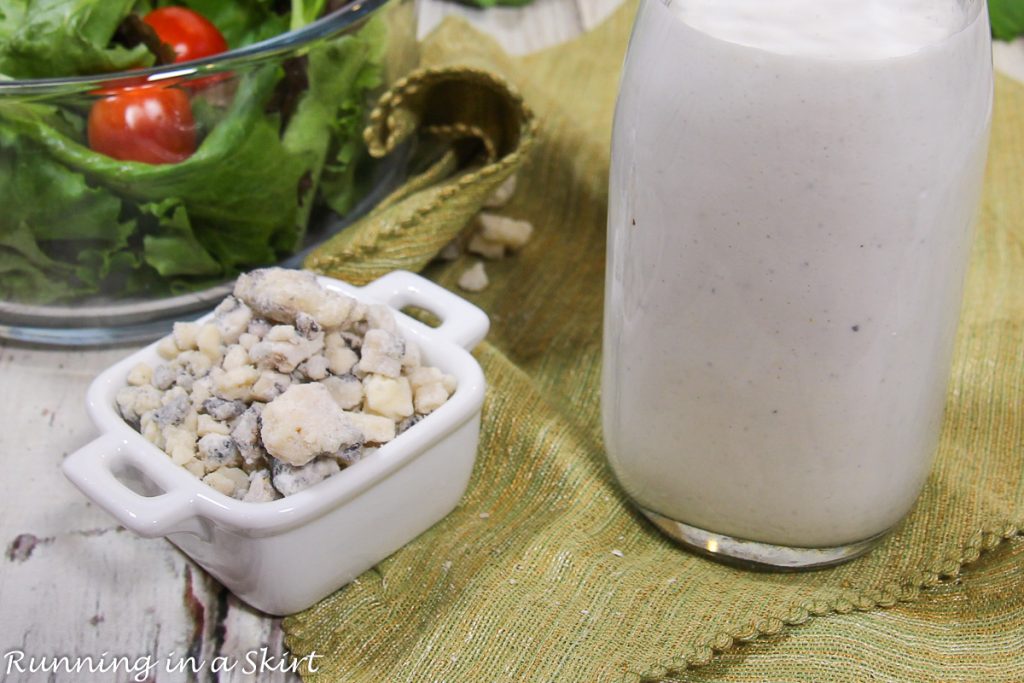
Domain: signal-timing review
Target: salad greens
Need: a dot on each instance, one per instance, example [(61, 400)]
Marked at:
[(64, 38), (276, 141)]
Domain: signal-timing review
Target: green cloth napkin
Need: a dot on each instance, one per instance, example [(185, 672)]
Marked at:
[(478, 129), (546, 573)]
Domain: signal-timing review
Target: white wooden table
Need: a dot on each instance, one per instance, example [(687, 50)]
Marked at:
[(74, 582)]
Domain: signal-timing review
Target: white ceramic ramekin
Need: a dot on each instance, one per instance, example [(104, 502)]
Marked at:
[(284, 556)]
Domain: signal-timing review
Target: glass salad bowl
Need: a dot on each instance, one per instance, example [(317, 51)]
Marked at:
[(134, 196)]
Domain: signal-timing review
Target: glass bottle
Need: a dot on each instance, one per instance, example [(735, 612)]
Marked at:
[(792, 192)]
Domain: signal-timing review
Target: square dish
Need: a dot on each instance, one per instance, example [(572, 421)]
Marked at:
[(285, 555)]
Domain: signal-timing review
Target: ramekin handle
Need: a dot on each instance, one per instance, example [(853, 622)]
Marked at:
[(91, 468), (461, 321)]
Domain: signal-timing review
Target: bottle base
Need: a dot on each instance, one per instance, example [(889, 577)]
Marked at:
[(756, 555)]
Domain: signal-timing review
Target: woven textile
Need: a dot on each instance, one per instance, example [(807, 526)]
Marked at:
[(545, 573)]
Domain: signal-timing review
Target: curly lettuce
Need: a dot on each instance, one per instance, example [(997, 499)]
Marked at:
[(46, 38), (78, 223)]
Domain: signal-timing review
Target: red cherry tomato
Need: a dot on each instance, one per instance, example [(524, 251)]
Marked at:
[(151, 124), (190, 34)]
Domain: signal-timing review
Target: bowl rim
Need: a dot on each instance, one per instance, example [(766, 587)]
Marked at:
[(323, 28)]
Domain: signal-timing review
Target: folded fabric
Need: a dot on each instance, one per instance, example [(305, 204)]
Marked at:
[(545, 572), (478, 129)]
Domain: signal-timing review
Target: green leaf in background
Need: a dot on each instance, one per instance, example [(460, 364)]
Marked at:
[(66, 228), (63, 207), (96, 265), (338, 183), (305, 12), (172, 248), (1007, 18), (326, 127), (45, 38), (26, 273)]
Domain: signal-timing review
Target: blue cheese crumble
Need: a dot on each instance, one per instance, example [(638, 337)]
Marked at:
[(288, 384)]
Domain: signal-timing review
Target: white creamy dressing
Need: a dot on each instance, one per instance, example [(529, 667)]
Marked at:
[(792, 189), (840, 29)]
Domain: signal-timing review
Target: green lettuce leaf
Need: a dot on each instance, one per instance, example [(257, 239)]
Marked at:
[(26, 273), (47, 38), (171, 247), (242, 22), (305, 12), (55, 227), (100, 268), (326, 128), (240, 188)]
